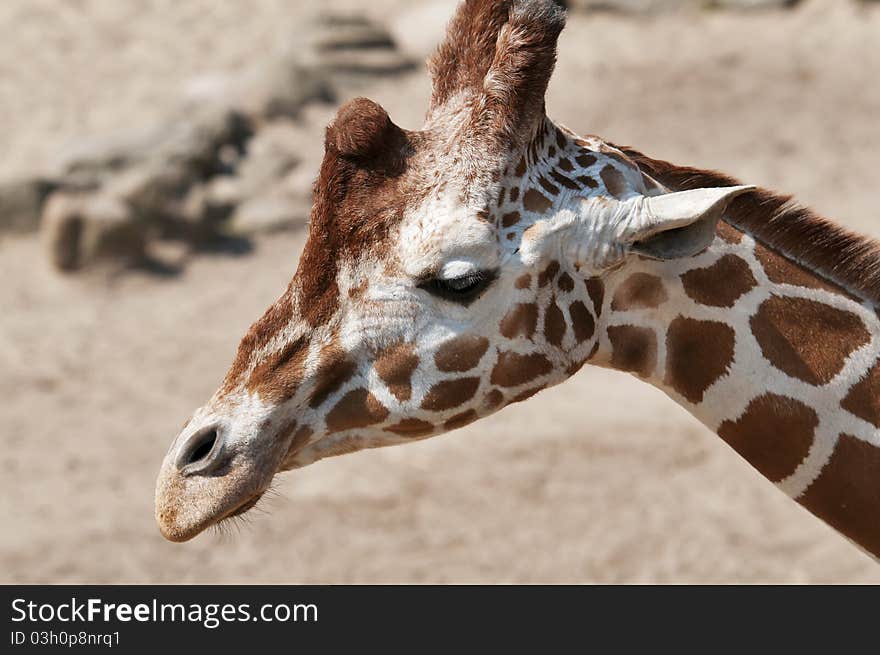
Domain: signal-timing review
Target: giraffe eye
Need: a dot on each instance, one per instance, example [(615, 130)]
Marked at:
[(463, 289)]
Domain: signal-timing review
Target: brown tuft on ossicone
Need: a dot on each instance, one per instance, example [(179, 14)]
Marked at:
[(363, 129)]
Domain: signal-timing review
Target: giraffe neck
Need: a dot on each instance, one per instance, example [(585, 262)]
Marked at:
[(780, 363)]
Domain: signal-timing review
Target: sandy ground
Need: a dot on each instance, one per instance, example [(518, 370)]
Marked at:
[(602, 479)]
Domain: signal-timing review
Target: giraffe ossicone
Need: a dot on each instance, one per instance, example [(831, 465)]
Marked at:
[(453, 270)]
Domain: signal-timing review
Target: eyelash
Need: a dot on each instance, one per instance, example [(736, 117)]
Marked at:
[(463, 289)]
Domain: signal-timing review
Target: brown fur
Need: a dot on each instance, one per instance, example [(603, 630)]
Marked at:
[(510, 219), (546, 276), (581, 321), (535, 201), (461, 353), (411, 427), (721, 284), (846, 493), (565, 283), (277, 376), (520, 320), (524, 281), (554, 324), (639, 291), (450, 393), (356, 409), (460, 420), (786, 330), (360, 196), (596, 291), (634, 349), (614, 181), (774, 434), (697, 354), (513, 369), (847, 259), (863, 399), (395, 366), (334, 370)]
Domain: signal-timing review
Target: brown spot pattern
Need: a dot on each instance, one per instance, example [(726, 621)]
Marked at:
[(582, 322), (520, 320), (787, 329), (460, 420), (720, 284), (450, 393), (565, 283), (846, 494), (278, 375), (513, 369), (560, 139), (634, 349), (596, 291), (564, 181), (565, 165), (697, 354), (585, 161), (554, 324), (547, 275), (493, 399), (639, 291), (586, 180), (514, 194), (614, 181), (774, 434), (549, 187), (395, 366), (535, 201), (411, 427), (461, 353), (334, 370), (510, 219), (356, 409), (863, 399)]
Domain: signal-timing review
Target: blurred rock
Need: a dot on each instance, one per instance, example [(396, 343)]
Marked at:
[(228, 158), (84, 229), (350, 33), (21, 203), (87, 159), (270, 90), (271, 155), (281, 89), (352, 49)]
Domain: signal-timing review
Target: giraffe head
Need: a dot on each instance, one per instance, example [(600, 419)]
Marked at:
[(448, 272)]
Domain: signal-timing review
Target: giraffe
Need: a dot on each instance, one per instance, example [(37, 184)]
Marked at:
[(456, 269)]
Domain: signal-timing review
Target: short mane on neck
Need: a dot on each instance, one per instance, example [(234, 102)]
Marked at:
[(843, 257)]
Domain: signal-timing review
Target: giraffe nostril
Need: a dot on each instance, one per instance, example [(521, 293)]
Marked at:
[(199, 451)]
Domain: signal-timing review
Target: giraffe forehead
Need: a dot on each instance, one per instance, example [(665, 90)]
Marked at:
[(445, 232)]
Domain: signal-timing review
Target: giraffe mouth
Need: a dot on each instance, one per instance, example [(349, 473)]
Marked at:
[(244, 507)]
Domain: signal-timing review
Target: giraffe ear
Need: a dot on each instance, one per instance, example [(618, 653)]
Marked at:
[(679, 224)]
